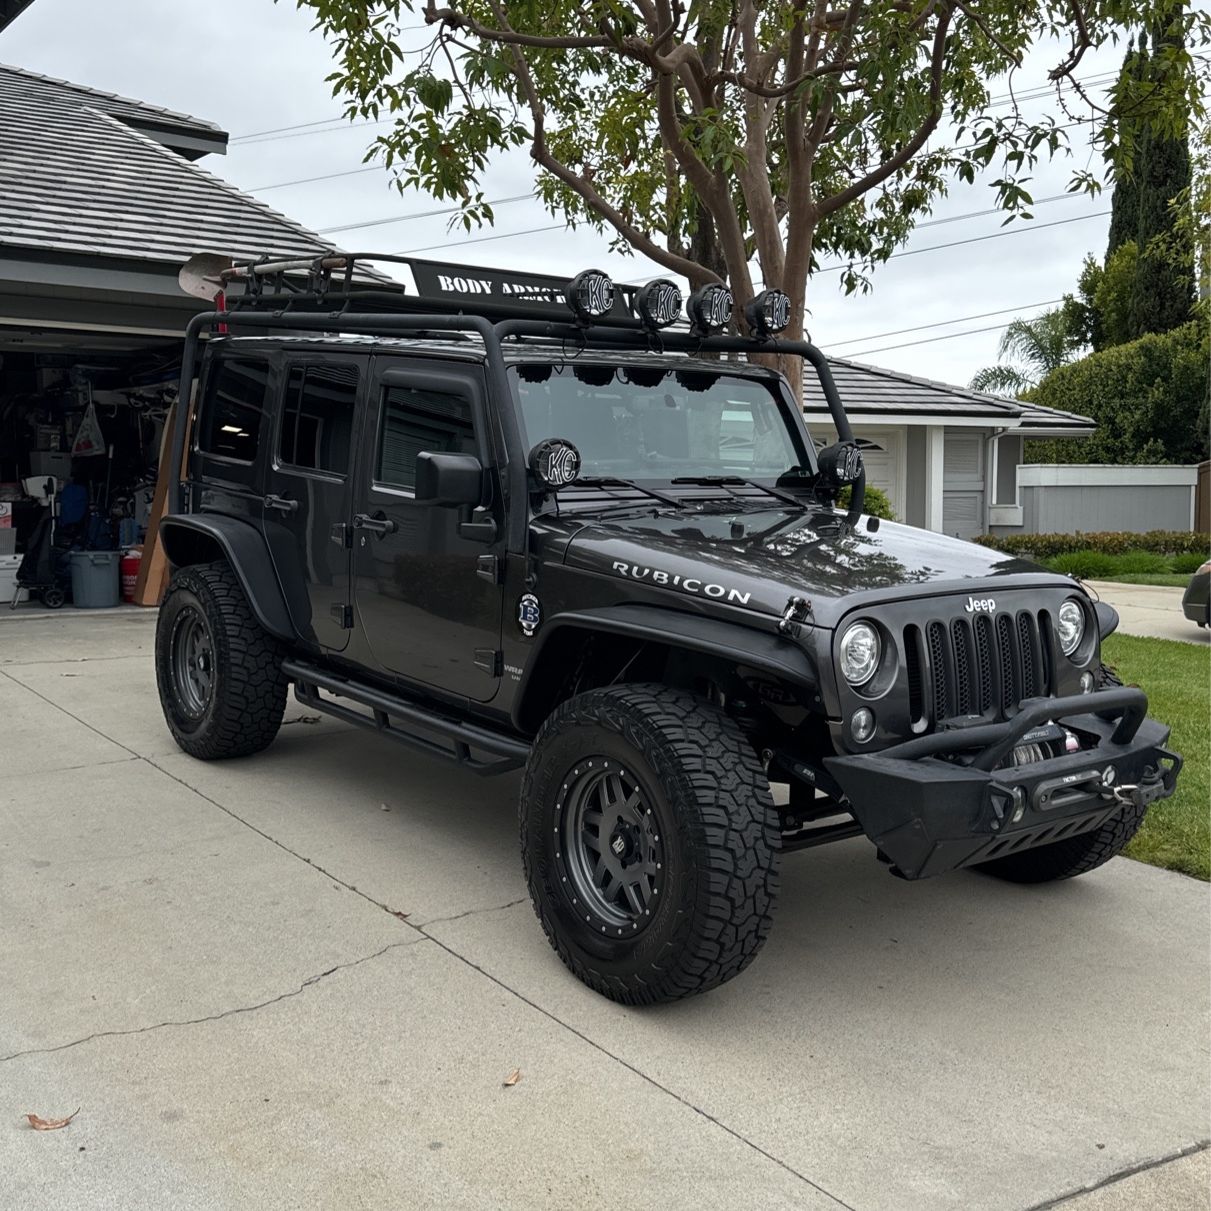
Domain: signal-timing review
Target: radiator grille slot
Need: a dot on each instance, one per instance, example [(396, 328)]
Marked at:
[(976, 666)]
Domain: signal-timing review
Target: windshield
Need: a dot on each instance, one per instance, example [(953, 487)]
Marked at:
[(659, 423)]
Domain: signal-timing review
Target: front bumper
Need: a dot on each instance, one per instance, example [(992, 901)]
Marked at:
[(940, 802)]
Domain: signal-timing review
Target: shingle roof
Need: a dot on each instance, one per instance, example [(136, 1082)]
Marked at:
[(873, 390), (75, 179), (36, 87)]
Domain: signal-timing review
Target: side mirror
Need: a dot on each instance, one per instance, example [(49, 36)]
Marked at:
[(449, 480)]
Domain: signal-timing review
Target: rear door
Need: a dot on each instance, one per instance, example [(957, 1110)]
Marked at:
[(426, 595), (308, 486)]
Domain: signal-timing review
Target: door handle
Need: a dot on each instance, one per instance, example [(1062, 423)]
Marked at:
[(378, 524), (281, 503)]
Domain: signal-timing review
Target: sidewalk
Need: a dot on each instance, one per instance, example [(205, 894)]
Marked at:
[(1151, 610)]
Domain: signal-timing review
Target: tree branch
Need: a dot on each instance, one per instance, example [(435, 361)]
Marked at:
[(895, 163)]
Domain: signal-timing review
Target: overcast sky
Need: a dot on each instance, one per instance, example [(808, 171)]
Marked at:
[(255, 66)]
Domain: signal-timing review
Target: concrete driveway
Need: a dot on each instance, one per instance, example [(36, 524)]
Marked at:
[(301, 980), (1151, 610)]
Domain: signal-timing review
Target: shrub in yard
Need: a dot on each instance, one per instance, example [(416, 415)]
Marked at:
[(1088, 565), (1133, 563), (1188, 563), (1114, 542), (874, 502)]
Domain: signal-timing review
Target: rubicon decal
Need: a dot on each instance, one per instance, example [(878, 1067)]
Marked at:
[(687, 584)]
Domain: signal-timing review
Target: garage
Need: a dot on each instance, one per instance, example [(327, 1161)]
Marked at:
[(101, 202)]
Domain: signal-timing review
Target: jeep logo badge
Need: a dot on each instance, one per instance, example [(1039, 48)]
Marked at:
[(978, 605)]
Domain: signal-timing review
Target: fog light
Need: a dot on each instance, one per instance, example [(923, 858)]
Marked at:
[(862, 724), (1086, 683)]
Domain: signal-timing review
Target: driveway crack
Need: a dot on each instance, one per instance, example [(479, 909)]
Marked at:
[(1122, 1175), (309, 982)]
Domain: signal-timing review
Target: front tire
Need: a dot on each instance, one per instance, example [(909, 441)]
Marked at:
[(218, 672), (650, 843)]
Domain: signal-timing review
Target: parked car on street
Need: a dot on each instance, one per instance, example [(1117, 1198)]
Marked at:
[(570, 538), (1196, 601)]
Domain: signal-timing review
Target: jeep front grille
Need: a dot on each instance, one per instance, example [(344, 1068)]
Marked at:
[(977, 666)]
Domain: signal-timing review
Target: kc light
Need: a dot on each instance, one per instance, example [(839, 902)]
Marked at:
[(860, 648), (659, 303), (768, 313), (1071, 626), (590, 295), (710, 309)]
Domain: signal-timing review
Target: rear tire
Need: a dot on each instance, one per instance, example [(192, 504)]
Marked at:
[(650, 843), (219, 673)]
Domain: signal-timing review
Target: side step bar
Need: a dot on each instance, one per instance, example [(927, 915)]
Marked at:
[(387, 713)]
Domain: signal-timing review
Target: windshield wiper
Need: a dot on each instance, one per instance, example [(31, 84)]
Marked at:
[(736, 481), (611, 481)]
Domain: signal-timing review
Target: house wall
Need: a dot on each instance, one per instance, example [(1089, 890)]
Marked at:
[(914, 489), (1071, 498)]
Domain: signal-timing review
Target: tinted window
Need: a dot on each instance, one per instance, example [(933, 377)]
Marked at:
[(317, 417), (235, 404), (414, 420)]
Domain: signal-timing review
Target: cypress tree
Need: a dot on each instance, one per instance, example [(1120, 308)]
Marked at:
[(1125, 200), (1163, 292)]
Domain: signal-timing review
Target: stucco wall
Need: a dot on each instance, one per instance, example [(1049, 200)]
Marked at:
[(1064, 499)]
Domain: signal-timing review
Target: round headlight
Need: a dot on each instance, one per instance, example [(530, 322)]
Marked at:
[(860, 649), (1071, 626)]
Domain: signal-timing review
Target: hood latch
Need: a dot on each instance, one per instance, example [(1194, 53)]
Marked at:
[(796, 611)]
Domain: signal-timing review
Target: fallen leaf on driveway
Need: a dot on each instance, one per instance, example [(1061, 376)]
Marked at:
[(50, 1124), (513, 1078), (383, 807), (403, 916)]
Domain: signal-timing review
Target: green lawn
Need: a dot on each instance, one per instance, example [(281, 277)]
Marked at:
[(1177, 679), (1173, 579)]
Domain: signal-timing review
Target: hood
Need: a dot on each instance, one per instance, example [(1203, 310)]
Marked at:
[(758, 558)]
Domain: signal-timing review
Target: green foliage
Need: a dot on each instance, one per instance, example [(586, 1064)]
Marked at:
[(710, 134), (1088, 565), (1146, 397), (1110, 542), (1038, 346), (1125, 198), (875, 502), (1188, 562), (1164, 284)]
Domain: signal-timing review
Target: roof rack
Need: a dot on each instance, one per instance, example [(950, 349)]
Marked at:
[(325, 294)]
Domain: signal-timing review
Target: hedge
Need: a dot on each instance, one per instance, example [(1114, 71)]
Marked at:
[(875, 502), (1111, 542), (1147, 397)]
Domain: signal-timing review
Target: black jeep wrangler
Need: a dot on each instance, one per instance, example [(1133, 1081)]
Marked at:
[(601, 546)]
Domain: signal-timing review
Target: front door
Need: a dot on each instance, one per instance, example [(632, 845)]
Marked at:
[(308, 490), (425, 592)]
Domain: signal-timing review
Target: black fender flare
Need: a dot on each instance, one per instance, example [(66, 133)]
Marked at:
[(245, 549), (765, 650), (1107, 618)]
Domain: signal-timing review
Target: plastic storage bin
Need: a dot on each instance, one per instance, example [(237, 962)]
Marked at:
[(94, 578), (8, 580)]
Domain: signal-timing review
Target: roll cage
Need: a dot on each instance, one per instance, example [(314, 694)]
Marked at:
[(324, 295)]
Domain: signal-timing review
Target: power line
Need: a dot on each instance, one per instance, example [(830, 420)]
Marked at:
[(307, 128), (419, 214), (328, 176), (958, 319), (979, 239), (929, 340), (483, 239)]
